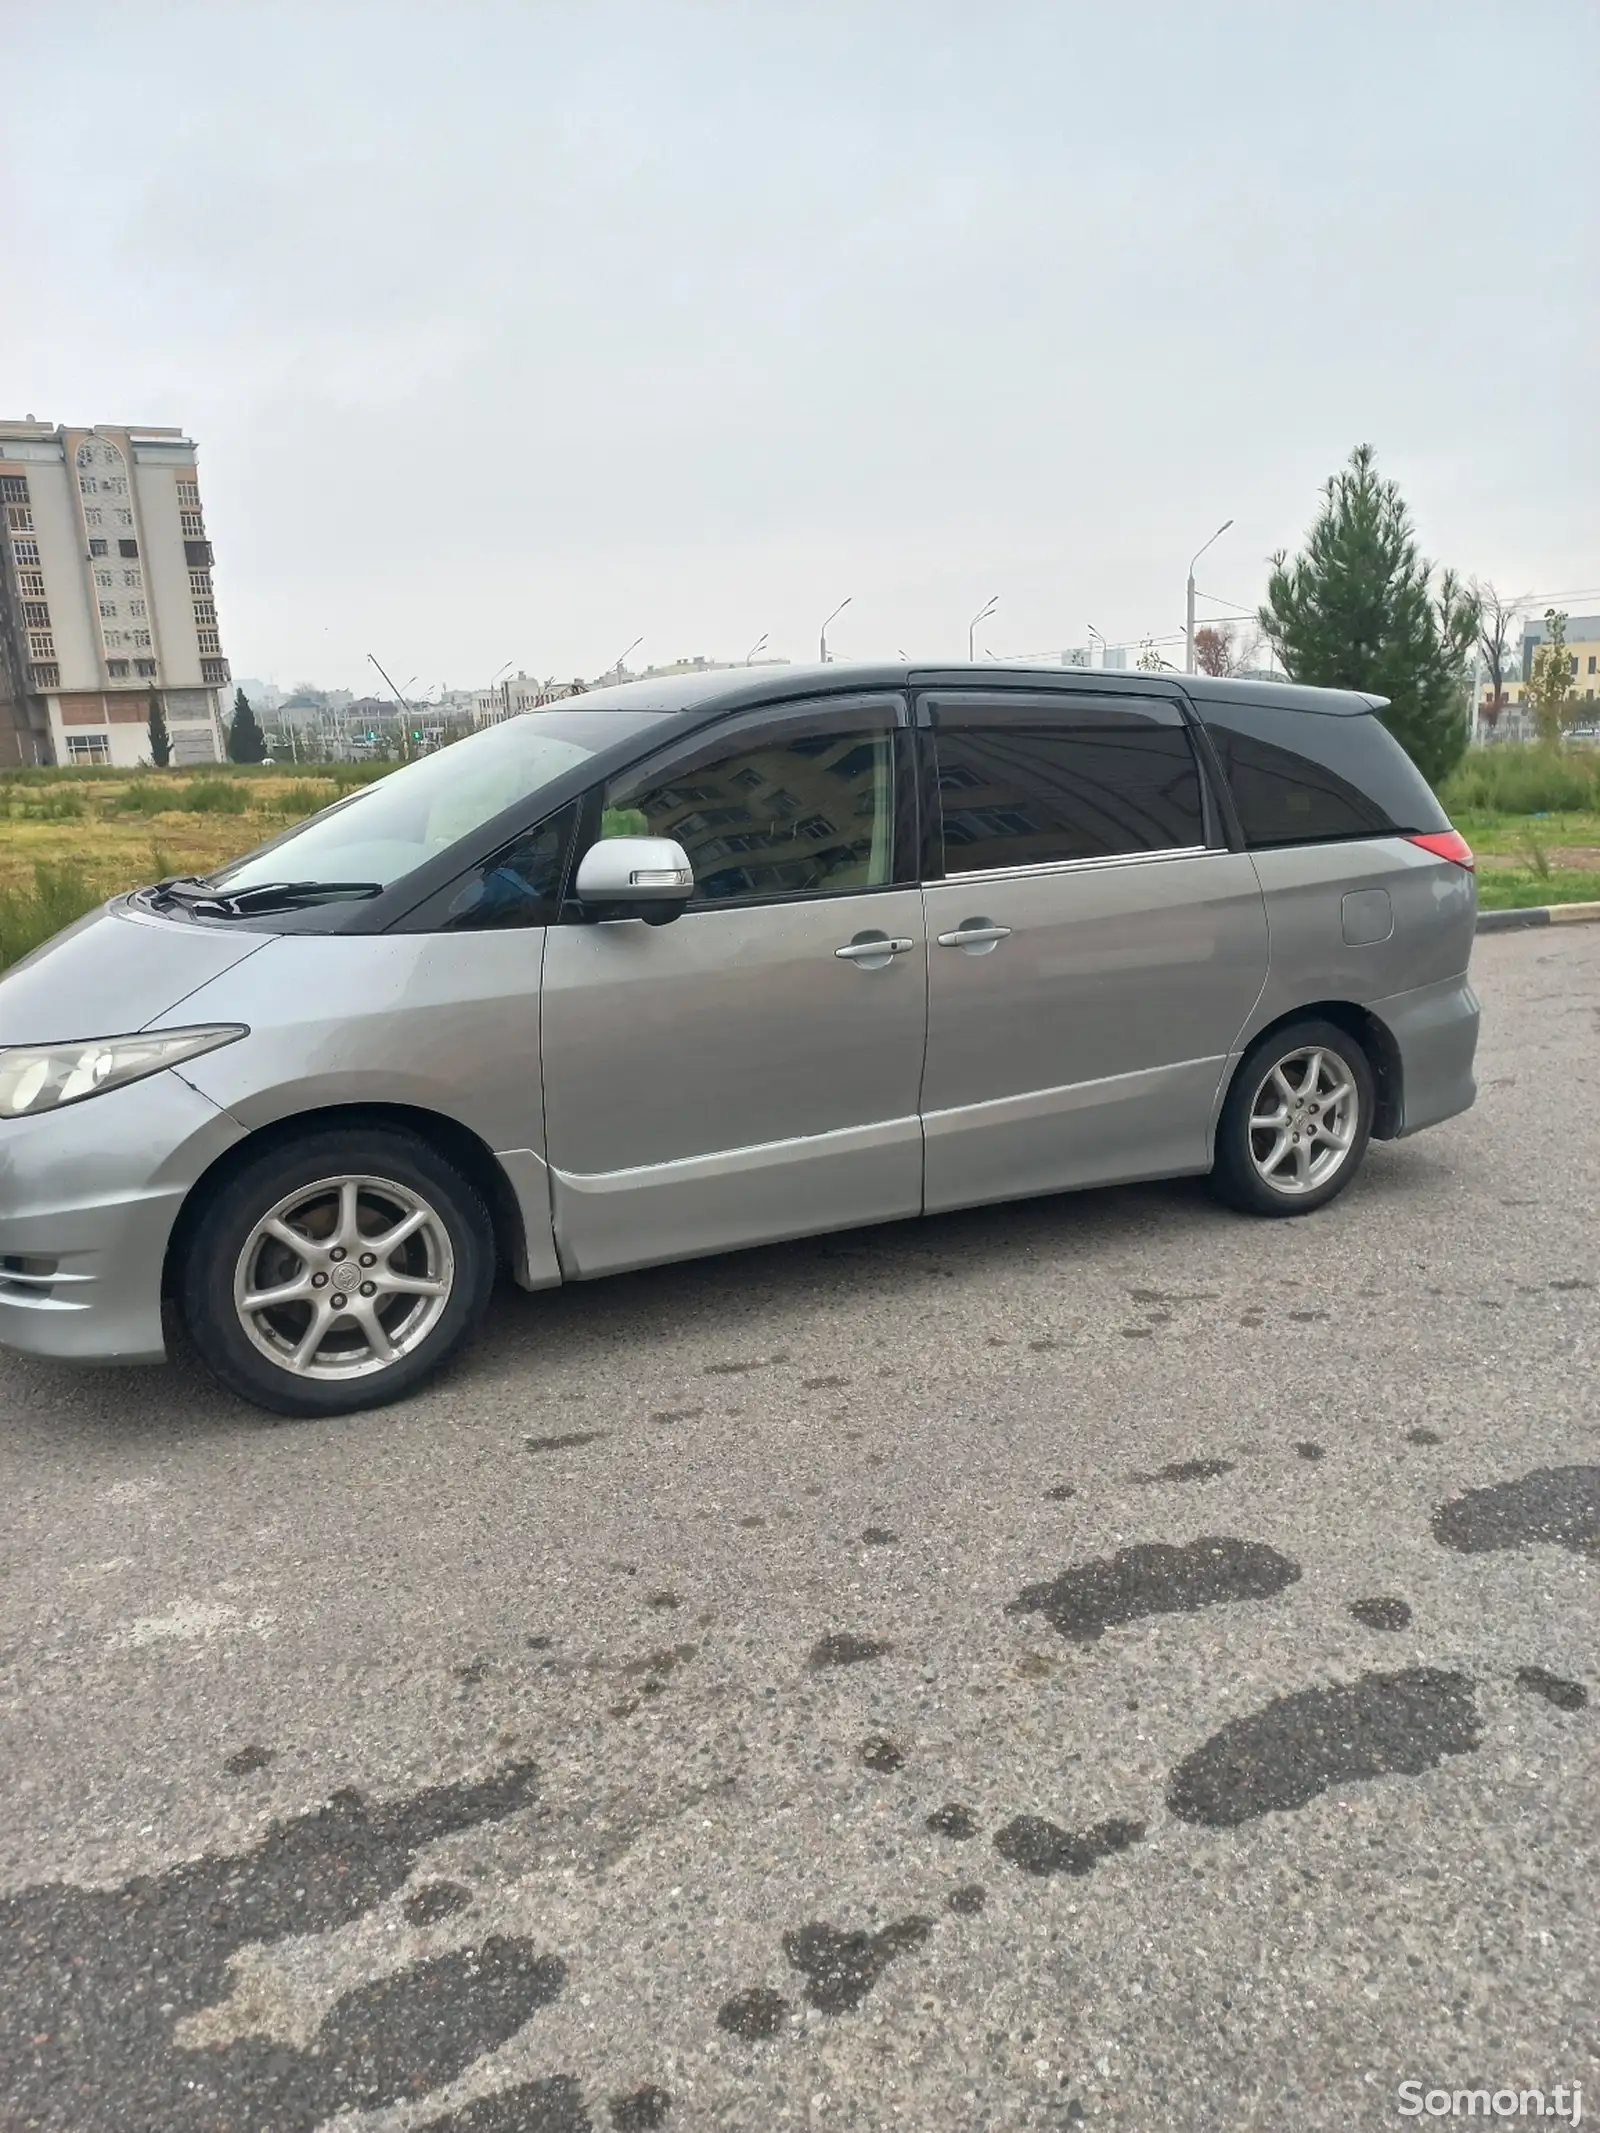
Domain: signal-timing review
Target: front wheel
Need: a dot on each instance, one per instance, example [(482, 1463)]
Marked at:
[(1296, 1121), (337, 1272)]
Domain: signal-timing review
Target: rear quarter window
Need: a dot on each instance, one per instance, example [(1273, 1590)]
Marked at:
[(1308, 777)]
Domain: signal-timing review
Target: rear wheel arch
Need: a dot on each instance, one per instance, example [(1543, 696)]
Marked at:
[(1373, 1035), (458, 1144)]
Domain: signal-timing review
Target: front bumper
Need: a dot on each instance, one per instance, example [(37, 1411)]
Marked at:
[(88, 1198)]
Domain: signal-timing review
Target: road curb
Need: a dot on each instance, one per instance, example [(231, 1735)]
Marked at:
[(1540, 915)]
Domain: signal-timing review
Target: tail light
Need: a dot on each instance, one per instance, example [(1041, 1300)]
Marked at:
[(1447, 844)]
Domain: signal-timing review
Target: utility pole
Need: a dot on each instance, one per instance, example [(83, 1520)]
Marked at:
[(1188, 628), (822, 649), (982, 615)]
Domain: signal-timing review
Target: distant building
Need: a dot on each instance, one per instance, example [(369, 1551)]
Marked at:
[(1583, 664), (105, 596)]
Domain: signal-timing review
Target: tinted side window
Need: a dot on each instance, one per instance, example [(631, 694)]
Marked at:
[(804, 812), (520, 885), (1304, 777), (1024, 795)]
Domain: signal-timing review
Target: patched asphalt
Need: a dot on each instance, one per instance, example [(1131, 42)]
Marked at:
[(1099, 1661)]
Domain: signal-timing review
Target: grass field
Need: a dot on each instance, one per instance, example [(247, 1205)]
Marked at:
[(70, 838)]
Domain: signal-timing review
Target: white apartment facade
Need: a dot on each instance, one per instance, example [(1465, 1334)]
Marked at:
[(105, 597)]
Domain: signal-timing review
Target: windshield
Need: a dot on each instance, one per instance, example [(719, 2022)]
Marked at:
[(389, 829)]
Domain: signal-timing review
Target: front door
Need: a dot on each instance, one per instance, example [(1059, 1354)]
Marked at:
[(1092, 953), (751, 1070)]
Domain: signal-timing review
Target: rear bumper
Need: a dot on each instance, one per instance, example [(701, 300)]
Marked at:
[(1436, 1030), (88, 1198)]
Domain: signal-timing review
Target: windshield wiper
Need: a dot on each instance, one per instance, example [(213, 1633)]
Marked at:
[(193, 894)]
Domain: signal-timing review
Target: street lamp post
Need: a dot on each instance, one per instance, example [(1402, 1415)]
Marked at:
[(823, 641), (617, 669), (760, 645), (1188, 630), (982, 615)]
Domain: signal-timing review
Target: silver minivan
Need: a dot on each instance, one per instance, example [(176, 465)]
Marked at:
[(677, 967)]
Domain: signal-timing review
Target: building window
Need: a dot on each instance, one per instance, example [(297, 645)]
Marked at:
[(25, 552), (205, 611), (192, 525), (188, 496), (117, 669), (108, 608), (1591, 662), (95, 518), (88, 748), (128, 550), (137, 608), (86, 455), (130, 577), (41, 644), (102, 578), (145, 669), (19, 518), (87, 485), (36, 614), (117, 485), (47, 677), (97, 548), (141, 637), (197, 554), (13, 488), (31, 581), (114, 640), (200, 584), (124, 517), (214, 671), (209, 641)]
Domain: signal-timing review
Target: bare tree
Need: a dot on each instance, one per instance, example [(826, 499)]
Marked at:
[(1213, 650), (1497, 616)]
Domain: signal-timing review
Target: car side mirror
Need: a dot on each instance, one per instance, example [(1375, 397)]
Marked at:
[(634, 877)]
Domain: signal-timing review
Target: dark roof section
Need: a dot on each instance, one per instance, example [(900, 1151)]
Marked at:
[(736, 688)]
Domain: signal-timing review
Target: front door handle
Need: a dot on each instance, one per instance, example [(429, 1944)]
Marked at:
[(979, 934), (873, 950)]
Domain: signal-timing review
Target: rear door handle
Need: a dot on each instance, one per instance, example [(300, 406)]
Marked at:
[(873, 948), (975, 933)]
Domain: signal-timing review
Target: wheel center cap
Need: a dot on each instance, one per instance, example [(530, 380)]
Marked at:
[(347, 1277)]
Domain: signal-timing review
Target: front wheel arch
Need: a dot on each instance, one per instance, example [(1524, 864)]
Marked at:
[(456, 1143)]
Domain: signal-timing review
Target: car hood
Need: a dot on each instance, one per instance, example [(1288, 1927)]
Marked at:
[(112, 973)]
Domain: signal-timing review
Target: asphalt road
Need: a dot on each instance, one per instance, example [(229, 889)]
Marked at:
[(1097, 1661)]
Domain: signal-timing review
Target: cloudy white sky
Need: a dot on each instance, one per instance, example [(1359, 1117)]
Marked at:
[(516, 331)]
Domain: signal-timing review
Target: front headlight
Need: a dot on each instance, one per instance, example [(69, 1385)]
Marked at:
[(43, 1077)]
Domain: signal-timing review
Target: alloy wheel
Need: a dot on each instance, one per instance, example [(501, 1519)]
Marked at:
[(343, 1277), (1304, 1118)]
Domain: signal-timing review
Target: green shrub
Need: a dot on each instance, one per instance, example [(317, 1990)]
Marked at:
[(61, 892), (143, 798), (296, 801), (1517, 778), (216, 796)]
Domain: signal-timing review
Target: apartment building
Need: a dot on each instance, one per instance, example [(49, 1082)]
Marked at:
[(105, 597)]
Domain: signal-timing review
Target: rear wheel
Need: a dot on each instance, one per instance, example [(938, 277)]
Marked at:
[(1296, 1122), (337, 1272)]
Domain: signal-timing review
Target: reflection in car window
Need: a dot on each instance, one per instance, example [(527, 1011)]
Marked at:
[(394, 826), (520, 885), (1015, 795), (797, 815)]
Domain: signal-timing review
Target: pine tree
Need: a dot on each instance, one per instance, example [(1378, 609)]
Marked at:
[(246, 742), (1359, 610), (160, 738)]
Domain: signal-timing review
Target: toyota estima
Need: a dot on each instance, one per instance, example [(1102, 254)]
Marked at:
[(673, 968)]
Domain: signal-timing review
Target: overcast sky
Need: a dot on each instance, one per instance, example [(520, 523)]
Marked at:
[(511, 332)]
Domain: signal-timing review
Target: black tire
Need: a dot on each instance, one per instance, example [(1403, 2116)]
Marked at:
[(1237, 1176), (393, 1173)]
